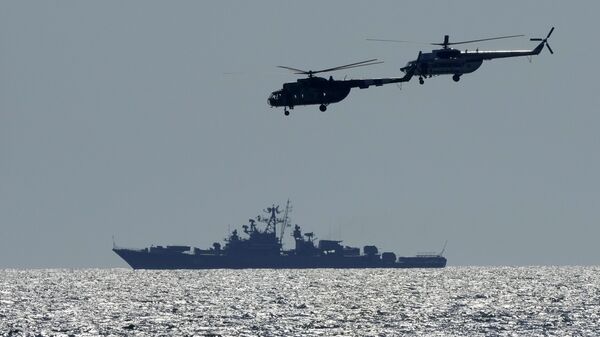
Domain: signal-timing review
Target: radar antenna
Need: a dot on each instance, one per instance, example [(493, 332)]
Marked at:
[(272, 221)]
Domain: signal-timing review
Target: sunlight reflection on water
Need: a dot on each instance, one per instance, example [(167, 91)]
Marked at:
[(455, 301)]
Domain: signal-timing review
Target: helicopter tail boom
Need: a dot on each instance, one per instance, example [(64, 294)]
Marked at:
[(488, 55)]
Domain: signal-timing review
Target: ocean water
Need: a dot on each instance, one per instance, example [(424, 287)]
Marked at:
[(455, 301)]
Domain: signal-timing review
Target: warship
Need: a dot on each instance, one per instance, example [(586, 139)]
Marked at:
[(263, 248)]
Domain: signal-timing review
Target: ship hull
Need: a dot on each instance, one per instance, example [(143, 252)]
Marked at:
[(143, 259)]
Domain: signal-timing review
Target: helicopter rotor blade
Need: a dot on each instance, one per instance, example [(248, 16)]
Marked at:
[(550, 33), (549, 49), (386, 40), (297, 71), (536, 39), (351, 65), (479, 40), (346, 66), (398, 41)]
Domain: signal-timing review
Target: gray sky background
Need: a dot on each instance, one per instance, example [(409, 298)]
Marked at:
[(117, 118)]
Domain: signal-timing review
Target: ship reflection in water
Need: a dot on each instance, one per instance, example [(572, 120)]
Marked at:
[(264, 249)]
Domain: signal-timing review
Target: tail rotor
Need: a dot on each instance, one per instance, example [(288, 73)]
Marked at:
[(545, 40)]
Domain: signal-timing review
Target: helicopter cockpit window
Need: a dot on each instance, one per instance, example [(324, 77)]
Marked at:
[(275, 96)]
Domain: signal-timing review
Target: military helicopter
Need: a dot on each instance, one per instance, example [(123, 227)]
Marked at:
[(450, 61), (318, 90)]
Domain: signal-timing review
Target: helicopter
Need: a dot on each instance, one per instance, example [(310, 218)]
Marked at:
[(318, 90), (450, 61)]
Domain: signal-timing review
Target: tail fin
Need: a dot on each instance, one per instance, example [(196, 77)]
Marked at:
[(544, 42)]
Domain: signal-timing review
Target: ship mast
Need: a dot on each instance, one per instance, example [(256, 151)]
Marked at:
[(272, 221), (286, 220)]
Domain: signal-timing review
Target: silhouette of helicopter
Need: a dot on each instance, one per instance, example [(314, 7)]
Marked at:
[(318, 90), (450, 61)]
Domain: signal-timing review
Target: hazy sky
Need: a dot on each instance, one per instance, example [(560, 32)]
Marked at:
[(148, 120)]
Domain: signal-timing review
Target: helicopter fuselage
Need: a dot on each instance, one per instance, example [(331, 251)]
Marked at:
[(449, 61), (320, 91), (433, 66), (309, 91)]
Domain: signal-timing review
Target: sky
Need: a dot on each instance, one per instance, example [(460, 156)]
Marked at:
[(148, 121)]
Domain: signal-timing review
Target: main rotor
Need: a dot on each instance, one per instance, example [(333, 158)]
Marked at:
[(310, 73), (447, 42)]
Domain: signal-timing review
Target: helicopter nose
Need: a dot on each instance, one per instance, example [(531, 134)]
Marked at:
[(273, 100)]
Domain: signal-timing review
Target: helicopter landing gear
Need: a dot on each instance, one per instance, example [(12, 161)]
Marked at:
[(323, 107), (286, 111), (421, 80), (456, 77)]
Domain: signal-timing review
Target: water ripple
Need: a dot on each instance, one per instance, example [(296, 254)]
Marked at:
[(533, 301)]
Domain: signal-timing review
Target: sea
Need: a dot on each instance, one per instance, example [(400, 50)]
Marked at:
[(454, 301)]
